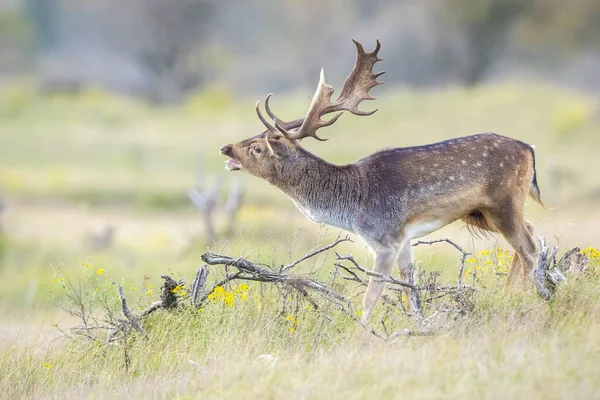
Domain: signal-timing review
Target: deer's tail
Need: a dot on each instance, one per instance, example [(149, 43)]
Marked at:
[(534, 189)]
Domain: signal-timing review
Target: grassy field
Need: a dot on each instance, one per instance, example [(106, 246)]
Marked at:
[(71, 165)]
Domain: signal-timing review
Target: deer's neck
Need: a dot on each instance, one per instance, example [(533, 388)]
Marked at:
[(323, 192)]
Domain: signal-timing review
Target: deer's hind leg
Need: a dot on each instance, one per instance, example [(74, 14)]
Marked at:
[(518, 232), (517, 265), (480, 225)]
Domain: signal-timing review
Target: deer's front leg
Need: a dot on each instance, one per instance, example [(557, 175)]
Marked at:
[(384, 262), (406, 269)]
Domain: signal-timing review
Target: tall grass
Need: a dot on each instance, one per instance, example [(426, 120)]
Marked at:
[(258, 342)]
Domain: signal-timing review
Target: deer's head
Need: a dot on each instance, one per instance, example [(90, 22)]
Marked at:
[(265, 154)]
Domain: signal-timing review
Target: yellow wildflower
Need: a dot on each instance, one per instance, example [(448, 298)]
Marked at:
[(100, 271), (228, 299), (47, 365)]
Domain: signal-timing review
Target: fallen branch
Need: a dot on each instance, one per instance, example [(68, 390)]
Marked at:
[(547, 276), (250, 271), (247, 270)]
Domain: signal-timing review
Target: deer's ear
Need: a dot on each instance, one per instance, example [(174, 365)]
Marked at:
[(277, 147)]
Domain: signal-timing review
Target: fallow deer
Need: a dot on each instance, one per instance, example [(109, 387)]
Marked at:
[(395, 195)]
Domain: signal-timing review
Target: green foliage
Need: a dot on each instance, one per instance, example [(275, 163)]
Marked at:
[(493, 14), (11, 25), (573, 27), (209, 100), (15, 99), (571, 120), (484, 26)]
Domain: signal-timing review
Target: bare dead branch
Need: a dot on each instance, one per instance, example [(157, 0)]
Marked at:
[(316, 251), (208, 200), (235, 199), (378, 275), (151, 308), (464, 253), (133, 320)]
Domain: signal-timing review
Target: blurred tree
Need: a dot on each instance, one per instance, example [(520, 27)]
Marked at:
[(164, 49), (483, 27), (572, 25), (44, 16), (14, 38), (166, 37)]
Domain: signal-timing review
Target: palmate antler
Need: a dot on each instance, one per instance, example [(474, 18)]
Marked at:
[(355, 89)]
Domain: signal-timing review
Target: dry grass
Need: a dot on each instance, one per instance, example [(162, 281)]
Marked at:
[(511, 346)]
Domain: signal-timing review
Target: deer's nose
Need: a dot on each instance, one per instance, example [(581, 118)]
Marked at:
[(226, 150)]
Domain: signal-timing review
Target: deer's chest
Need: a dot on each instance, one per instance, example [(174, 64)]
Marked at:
[(325, 215)]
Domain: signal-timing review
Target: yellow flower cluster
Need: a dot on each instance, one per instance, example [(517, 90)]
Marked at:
[(220, 294), (485, 259), (99, 271), (593, 255), (293, 323), (179, 290), (149, 287), (242, 291)]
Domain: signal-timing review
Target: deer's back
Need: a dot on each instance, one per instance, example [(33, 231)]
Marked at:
[(472, 171)]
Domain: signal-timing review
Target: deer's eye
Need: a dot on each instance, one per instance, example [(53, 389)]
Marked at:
[(256, 149)]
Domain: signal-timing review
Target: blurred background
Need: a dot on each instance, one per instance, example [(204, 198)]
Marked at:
[(112, 114)]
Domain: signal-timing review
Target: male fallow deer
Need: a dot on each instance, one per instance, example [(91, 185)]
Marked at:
[(395, 195)]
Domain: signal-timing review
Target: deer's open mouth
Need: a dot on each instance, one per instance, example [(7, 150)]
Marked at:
[(233, 165)]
